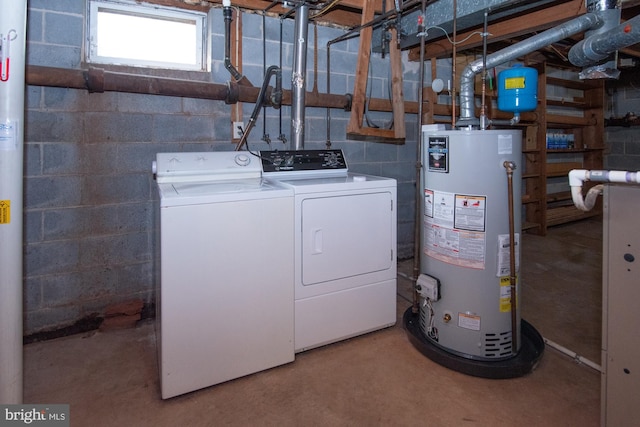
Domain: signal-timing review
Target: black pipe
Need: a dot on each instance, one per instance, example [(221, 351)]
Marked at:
[(227, 12), (275, 99)]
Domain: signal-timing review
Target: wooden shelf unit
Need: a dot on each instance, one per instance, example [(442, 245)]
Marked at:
[(570, 107)]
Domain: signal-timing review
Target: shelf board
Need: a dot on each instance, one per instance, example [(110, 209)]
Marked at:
[(574, 150), (558, 197), (564, 214), (573, 103), (558, 120), (574, 84), (529, 199), (556, 174), (561, 169)]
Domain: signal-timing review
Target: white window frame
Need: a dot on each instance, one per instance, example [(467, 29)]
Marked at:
[(152, 11)]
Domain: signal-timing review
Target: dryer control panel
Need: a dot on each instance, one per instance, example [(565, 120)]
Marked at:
[(286, 163)]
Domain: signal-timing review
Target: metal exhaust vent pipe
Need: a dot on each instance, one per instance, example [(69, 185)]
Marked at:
[(599, 46), (585, 55), (567, 29), (298, 77)]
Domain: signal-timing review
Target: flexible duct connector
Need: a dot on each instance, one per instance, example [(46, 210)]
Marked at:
[(578, 176), (467, 78)]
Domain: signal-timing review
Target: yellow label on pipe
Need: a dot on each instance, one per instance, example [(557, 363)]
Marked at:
[(5, 211), (514, 83)]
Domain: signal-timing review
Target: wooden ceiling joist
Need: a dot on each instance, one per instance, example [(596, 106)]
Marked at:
[(510, 28)]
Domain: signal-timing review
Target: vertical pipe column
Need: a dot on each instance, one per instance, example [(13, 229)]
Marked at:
[(298, 77), (13, 23)]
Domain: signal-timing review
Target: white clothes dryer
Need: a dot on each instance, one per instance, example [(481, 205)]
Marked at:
[(345, 245), (225, 295)]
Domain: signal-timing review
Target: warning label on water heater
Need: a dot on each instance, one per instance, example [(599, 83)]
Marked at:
[(454, 228), (505, 294), (8, 135), (5, 211)]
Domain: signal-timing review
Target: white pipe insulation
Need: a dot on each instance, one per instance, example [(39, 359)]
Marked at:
[(578, 176), (13, 26)]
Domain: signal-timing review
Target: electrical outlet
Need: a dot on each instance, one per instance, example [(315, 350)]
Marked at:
[(238, 130)]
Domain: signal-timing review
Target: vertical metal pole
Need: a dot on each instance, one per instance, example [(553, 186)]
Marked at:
[(13, 23), (418, 217), (298, 77)]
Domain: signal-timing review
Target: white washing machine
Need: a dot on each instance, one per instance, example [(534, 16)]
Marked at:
[(345, 245), (225, 298)]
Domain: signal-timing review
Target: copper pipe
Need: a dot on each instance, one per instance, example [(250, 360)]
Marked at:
[(510, 167)]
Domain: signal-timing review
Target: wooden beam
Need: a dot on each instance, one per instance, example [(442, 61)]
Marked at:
[(362, 70), (397, 94), (355, 128)]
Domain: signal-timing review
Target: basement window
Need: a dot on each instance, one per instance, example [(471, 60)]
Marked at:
[(124, 33)]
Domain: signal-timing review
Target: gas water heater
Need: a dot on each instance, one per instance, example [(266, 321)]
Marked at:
[(465, 283), (466, 320)]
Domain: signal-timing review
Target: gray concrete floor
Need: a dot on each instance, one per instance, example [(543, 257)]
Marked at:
[(110, 378)]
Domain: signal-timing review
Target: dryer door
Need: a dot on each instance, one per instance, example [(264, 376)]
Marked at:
[(346, 236)]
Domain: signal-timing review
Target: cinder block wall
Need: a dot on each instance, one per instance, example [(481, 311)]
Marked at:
[(89, 194), (623, 143)]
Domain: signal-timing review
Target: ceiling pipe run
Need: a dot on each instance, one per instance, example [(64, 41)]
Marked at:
[(607, 66), (97, 80), (13, 25), (598, 47), (546, 38)]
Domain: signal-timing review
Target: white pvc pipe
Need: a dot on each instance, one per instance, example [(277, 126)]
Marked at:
[(578, 176), (13, 24), (573, 355)]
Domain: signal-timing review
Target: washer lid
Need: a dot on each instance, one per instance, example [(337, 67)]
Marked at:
[(193, 193), (206, 166), (228, 186)]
